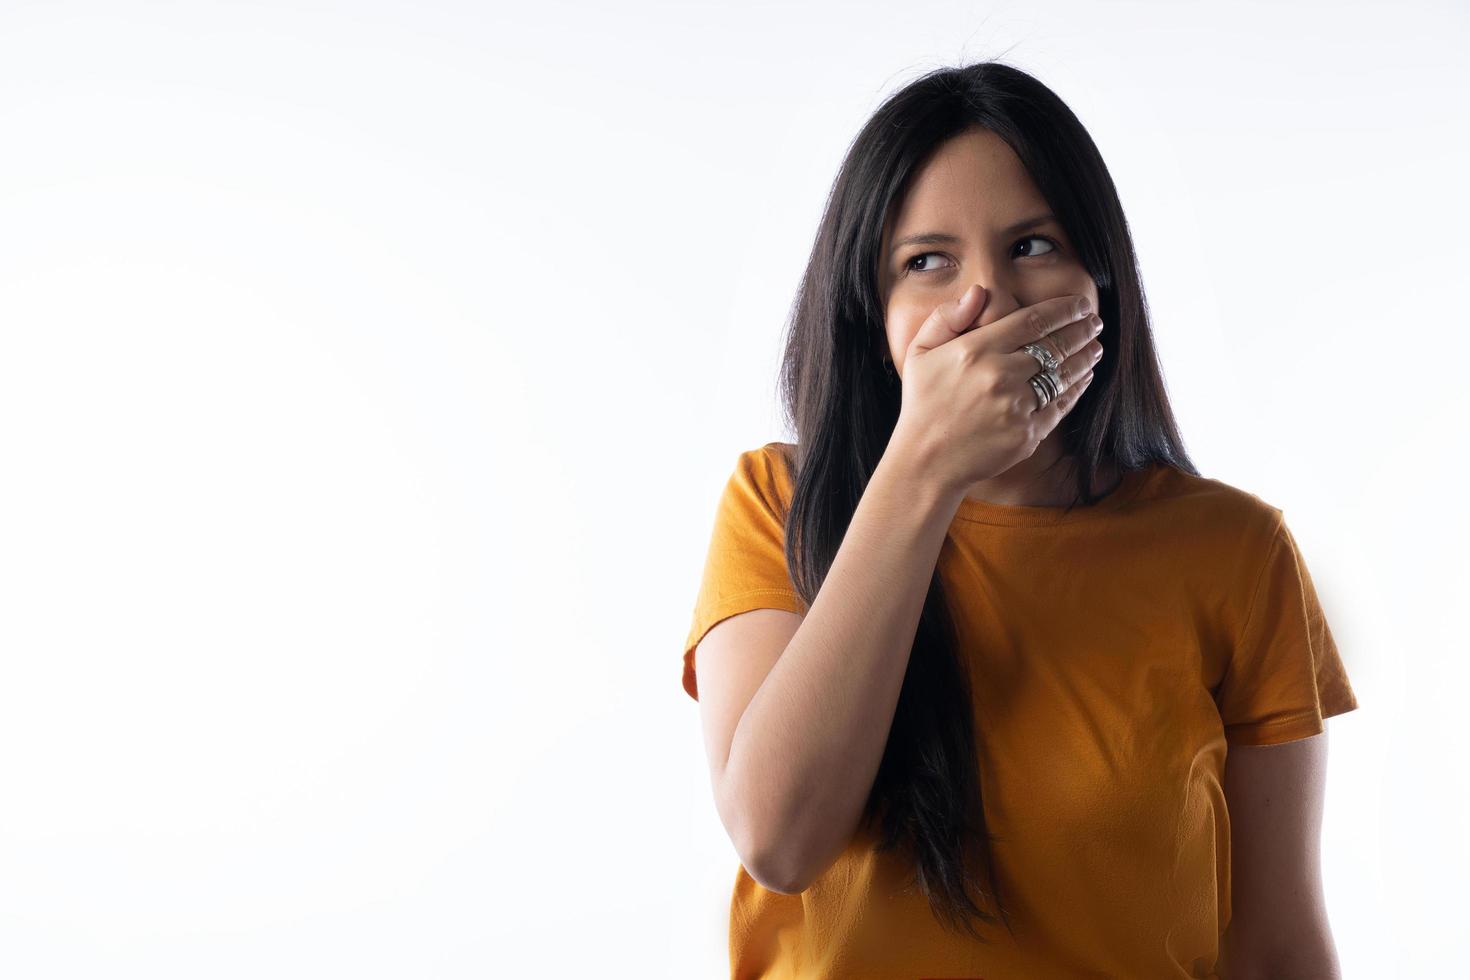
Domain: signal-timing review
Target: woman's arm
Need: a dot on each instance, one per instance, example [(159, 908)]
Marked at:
[(1278, 924), (806, 748)]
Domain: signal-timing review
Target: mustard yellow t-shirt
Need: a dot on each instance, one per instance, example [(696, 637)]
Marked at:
[(1116, 651)]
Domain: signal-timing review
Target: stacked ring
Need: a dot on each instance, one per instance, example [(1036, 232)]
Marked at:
[(1046, 382)]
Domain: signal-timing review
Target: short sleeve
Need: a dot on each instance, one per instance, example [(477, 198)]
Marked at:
[(745, 567), (1285, 675)]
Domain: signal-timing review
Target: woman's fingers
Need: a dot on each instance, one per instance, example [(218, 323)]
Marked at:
[(1075, 347), (1064, 341), (1076, 374)]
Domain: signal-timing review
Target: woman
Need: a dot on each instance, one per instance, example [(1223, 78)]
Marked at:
[(970, 652)]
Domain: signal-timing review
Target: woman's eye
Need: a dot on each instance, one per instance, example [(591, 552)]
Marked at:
[(929, 266), (1038, 238), (918, 257)]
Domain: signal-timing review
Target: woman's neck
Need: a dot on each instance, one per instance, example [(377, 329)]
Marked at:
[(1040, 480)]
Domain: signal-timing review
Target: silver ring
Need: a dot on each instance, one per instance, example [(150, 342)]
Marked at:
[(1043, 355), (1046, 382), (1046, 385), (1042, 398)]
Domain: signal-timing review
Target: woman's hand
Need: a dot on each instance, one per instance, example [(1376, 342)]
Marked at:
[(969, 411)]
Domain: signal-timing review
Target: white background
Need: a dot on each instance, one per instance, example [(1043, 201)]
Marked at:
[(369, 372)]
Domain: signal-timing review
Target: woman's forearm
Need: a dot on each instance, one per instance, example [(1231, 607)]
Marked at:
[(807, 748)]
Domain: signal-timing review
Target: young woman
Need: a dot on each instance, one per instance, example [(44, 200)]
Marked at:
[(973, 650)]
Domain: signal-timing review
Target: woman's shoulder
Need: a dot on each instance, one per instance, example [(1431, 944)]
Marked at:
[(764, 474), (772, 464), (1187, 499), (785, 451)]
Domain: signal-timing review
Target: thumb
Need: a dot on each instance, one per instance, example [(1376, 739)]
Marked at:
[(950, 319)]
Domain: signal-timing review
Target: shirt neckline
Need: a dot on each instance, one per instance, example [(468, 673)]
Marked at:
[(1018, 515)]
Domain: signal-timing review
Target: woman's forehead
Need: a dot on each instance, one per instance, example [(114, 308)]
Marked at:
[(968, 179)]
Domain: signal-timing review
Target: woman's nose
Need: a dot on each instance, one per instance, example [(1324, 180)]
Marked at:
[(998, 302)]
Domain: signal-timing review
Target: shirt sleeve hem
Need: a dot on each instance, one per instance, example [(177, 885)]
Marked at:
[(1290, 729), (724, 609), (1277, 731)]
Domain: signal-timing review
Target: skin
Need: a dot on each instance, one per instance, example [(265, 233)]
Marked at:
[(1279, 926), (974, 187)]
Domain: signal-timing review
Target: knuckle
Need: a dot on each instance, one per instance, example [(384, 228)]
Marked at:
[(989, 380), (1036, 324)]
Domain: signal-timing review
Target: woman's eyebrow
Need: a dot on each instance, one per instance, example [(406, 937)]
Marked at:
[(944, 238), (1031, 222)]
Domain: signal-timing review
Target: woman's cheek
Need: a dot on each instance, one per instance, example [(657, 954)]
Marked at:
[(903, 331)]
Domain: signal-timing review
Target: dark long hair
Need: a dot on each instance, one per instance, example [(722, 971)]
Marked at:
[(843, 409)]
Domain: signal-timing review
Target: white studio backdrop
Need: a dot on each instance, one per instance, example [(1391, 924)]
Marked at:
[(369, 372)]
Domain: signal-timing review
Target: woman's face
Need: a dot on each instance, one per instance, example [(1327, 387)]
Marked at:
[(975, 191)]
